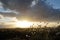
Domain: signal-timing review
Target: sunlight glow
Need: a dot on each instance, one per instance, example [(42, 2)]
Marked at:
[(30, 24), (23, 24)]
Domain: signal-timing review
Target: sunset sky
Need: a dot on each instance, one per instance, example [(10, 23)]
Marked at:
[(37, 10)]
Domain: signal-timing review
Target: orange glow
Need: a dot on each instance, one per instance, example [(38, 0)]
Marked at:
[(23, 24)]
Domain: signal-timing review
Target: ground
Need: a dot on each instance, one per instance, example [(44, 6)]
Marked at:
[(30, 34)]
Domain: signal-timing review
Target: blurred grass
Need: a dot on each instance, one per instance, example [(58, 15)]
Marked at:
[(46, 33)]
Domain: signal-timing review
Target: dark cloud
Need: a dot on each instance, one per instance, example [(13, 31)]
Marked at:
[(17, 4), (40, 11)]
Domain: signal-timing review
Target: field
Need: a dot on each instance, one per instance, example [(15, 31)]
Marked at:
[(46, 33)]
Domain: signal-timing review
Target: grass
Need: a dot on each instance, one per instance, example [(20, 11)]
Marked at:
[(30, 33)]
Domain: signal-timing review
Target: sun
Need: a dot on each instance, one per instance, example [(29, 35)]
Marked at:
[(24, 24)]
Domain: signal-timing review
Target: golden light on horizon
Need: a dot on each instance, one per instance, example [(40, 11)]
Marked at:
[(24, 24), (29, 24)]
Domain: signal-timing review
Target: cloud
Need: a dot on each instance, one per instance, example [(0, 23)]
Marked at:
[(17, 4), (7, 19), (34, 2), (1, 16), (37, 9), (7, 22), (6, 10)]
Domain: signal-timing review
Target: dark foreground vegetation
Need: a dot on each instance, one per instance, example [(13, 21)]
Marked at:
[(30, 34)]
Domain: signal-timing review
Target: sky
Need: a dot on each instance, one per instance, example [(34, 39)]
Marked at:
[(29, 9), (55, 3), (21, 8)]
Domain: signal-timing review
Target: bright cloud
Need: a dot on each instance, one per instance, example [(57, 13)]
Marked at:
[(34, 2), (7, 19)]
